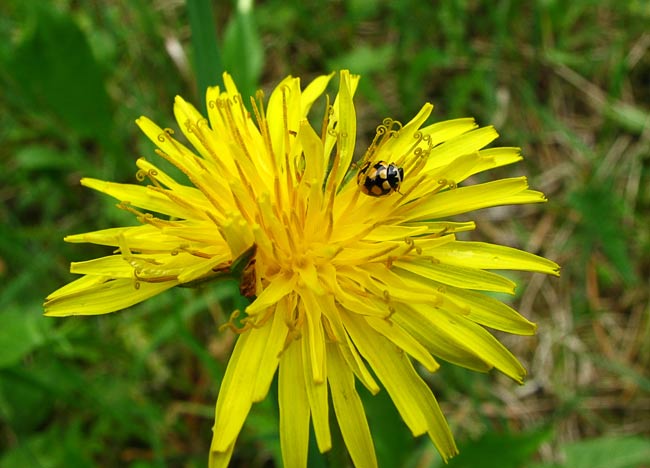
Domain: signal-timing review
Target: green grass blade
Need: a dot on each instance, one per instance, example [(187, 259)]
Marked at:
[(243, 54), (205, 50)]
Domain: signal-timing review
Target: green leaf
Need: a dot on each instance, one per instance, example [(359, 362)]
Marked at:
[(54, 69), (632, 118), (601, 223), (394, 443), (500, 450), (243, 55), (39, 157), (262, 427), (51, 449), (207, 60), (25, 403), (20, 333), (608, 452), (365, 59)]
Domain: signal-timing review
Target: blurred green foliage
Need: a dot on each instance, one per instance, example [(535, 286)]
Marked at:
[(566, 81)]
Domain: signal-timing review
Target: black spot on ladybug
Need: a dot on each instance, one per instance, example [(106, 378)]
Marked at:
[(380, 179)]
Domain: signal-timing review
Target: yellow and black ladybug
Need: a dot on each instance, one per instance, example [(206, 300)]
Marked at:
[(380, 179)]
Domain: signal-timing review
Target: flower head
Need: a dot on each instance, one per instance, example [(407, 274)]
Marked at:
[(348, 283)]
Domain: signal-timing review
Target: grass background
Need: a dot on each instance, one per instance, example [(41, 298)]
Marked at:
[(566, 81)]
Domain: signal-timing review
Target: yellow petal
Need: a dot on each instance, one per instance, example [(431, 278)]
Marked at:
[(237, 233), (195, 269), (188, 119), (229, 84), (498, 157), (180, 154), (279, 287), (152, 171), (142, 197), (371, 305), (347, 128), (313, 358), (404, 341), (202, 232), (492, 257), (221, 459), (385, 233), (92, 295), (416, 322), (389, 363), (331, 312), (490, 312), (457, 331), (140, 238), (314, 338), (294, 408), (460, 277), (236, 392), (271, 355), (412, 397), (309, 277), (283, 115), (349, 410), (446, 130), (313, 153), (465, 143), (114, 266), (212, 96), (474, 197), (405, 140), (438, 227), (461, 168), (313, 91)]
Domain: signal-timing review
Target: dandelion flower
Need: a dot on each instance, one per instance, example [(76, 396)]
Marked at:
[(353, 271)]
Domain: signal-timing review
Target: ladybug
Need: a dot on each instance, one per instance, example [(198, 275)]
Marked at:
[(380, 179)]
